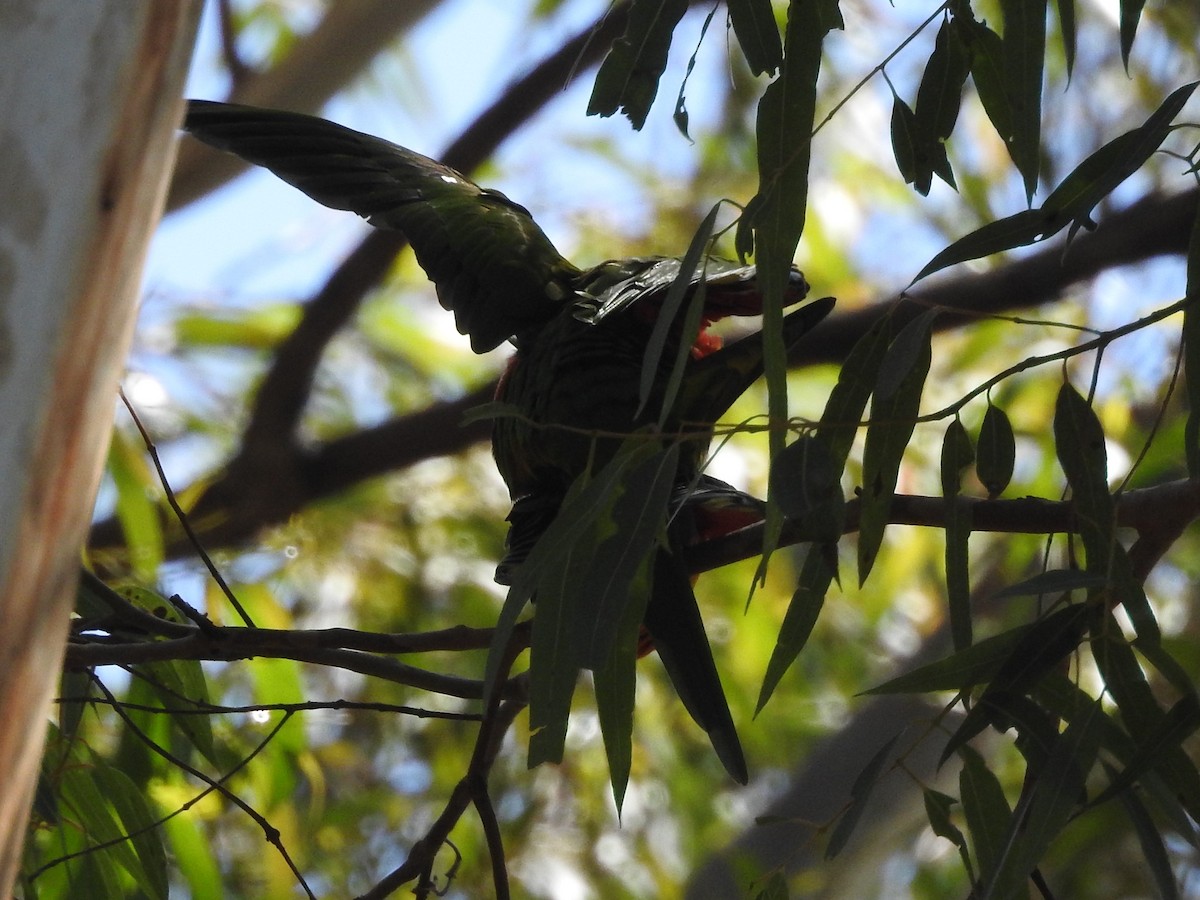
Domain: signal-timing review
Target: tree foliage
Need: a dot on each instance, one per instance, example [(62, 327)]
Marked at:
[(276, 682)]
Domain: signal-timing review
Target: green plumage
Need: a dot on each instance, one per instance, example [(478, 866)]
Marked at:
[(581, 337)]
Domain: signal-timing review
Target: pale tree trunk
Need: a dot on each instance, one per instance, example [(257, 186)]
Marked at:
[(90, 93)]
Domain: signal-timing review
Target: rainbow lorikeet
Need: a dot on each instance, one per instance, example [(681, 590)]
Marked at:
[(581, 337)]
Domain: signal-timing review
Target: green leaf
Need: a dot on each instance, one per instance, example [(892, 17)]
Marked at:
[(1012, 231), (176, 682), (1066, 27), (605, 592), (1165, 738), (84, 792), (1151, 840), (905, 142), (997, 451), (194, 858), (756, 31), (1039, 650), (1024, 48), (957, 455), (938, 99), (986, 809), (1059, 787), (615, 684), (807, 485), (893, 416), (1191, 352), (776, 214), (1098, 175), (818, 572), (937, 811), (987, 71), (140, 823), (1054, 581), (857, 378), (860, 792), (959, 671), (651, 372), (136, 511), (1131, 14), (1079, 441), (628, 77)]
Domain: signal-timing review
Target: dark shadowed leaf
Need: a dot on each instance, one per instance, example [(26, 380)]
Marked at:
[(628, 77), (1131, 14), (904, 146), (1055, 581), (807, 485), (818, 572), (1024, 48), (986, 809), (997, 451), (1150, 838), (1191, 352), (987, 71), (957, 455), (938, 99), (860, 792), (1066, 27), (757, 34), (893, 416)]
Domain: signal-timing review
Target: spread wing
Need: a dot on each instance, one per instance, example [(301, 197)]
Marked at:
[(491, 263)]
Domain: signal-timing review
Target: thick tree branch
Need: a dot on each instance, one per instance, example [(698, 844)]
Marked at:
[(264, 487)]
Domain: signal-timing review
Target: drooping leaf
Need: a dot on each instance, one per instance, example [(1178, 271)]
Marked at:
[(904, 147), (857, 378), (1154, 851), (860, 793), (180, 683), (604, 593), (615, 683), (757, 34), (1024, 49), (957, 455), (1131, 14), (986, 809), (807, 485), (938, 99), (997, 451), (1079, 442), (651, 359), (1038, 651), (1012, 231), (774, 218), (893, 416), (937, 811), (987, 71), (1191, 352), (817, 573), (628, 78), (1066, 27)]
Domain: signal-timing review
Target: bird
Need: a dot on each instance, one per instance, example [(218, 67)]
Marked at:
[(580, 336)]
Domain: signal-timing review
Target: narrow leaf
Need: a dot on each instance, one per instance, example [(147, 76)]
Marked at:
[(1054, 581), (986, 809), (1024, 48), (1066, 27), (757, 34), (1131, 14), (987, 71), (893, 417), (957, 456), (904, 147), (818, 572), (807, 485), (860, 792), (1153, 849), (1191, 352), (939, 97)]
